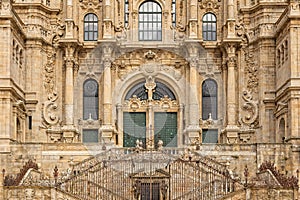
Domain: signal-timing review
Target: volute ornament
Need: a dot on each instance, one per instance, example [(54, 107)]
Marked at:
[(250, 117)]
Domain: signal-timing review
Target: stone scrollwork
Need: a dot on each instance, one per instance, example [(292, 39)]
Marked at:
[(250, 113), (250, 107), (49, 114)]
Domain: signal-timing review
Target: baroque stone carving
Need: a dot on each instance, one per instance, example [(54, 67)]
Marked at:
[(150, 63), (209, 5), (250, 118), (90, 4), (49, 114), (250, 107)]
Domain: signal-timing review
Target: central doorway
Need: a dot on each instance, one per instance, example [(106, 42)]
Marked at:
[(150, 116)]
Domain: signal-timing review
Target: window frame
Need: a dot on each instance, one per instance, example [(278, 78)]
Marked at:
[(145, 27), (87, 22), (96, 100), (209, 27), (212, 97)]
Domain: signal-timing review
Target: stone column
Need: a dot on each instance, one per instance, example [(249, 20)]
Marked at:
[(107, 128), (231, 129), (69, 131), (193, 114)]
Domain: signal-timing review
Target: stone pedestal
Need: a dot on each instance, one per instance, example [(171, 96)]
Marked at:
[(230, 134), (193, 134), (107, 134), (70, 134)]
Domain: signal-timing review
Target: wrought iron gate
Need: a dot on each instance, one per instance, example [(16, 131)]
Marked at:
[(126, 174)]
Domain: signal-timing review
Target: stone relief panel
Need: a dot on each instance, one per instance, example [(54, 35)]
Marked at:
[(150, 63), (249, 114), (50, 115)]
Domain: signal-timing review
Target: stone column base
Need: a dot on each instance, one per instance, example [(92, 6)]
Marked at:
[(107, 134), (193, 134)]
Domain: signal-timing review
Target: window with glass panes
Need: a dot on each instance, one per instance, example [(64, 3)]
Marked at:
[(209, 136), (126, 13), (209, 99), (90, 27), (173, 13), (209, 27), (90, 99), (90, 136), (150, 22)]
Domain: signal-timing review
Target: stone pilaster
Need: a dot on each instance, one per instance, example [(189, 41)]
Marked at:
[(231, 19), (107, 21), (69, 20), (193, 27)]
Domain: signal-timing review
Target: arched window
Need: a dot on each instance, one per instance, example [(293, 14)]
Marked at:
[(90, 100), (90, 27), (209, 27), (140, 91), (150, 21), (209, 99)]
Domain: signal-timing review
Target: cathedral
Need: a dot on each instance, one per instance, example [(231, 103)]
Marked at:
[(149, 99)]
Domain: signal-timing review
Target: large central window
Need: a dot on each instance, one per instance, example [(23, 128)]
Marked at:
[(150, 22)]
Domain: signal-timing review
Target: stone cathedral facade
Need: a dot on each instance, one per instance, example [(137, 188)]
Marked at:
[(149, 99)]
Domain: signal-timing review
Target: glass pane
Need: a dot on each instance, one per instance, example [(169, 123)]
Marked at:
[(90, 136), (165, 128), (150, 13), (134, 126), (209, 136)]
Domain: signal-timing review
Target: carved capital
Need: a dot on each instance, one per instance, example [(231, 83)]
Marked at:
[(231, 62)]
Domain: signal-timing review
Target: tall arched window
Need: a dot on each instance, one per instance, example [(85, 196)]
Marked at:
[(209, 27), (90, 27), (209, 99), (150, 21), (90, 100)]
